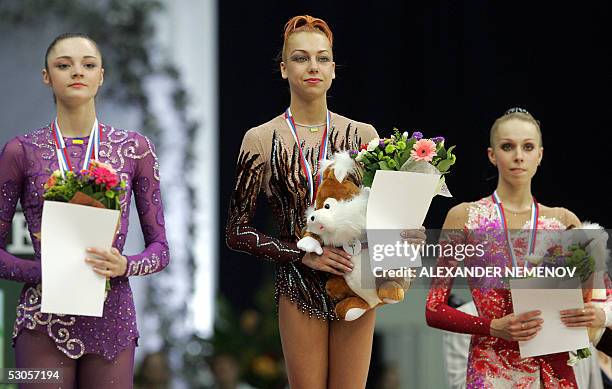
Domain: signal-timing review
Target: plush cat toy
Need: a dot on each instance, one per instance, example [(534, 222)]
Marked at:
[(338, 218)]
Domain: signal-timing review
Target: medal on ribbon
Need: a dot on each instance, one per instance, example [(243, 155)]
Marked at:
[(535, 210), (92, 152), (313, 183)]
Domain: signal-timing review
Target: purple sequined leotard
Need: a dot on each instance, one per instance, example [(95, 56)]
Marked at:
[(25, 164)]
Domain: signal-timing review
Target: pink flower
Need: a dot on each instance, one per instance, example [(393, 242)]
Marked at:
[(423, 150), (103, 176)]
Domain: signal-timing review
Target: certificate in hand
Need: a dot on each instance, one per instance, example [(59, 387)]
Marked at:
[(69, 285), (550, 296)]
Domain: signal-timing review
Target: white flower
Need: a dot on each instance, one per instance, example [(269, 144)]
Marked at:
[(360, 155), (405, 134), (534, 259), (373, 144), (572, 361)]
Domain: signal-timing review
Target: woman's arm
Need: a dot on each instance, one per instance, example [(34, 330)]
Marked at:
[(147, 194), (240, 235), (12, 167), (440, 315), (437, 311)]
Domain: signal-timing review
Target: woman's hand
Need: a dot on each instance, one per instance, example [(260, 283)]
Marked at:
[(110, 263), (414, 236), (589, 316), (333, 260), (517, 327)]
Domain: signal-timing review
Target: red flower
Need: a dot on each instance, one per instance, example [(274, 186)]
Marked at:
[(363, 147), (103, 176)]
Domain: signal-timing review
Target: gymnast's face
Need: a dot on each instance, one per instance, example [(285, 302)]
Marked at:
[(74, 71), (308, 64), (517, 150)]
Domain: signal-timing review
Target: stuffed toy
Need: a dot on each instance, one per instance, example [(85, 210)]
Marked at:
[(338, 219)]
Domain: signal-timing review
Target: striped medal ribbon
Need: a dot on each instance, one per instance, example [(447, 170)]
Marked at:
[(535, 210), (93, 147), (313, 183)]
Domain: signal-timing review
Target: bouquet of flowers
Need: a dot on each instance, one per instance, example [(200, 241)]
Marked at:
[(408, 165), (585, 251), (99, 186), (403, 153)]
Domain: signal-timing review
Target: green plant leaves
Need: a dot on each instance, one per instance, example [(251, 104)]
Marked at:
[(444, 165)]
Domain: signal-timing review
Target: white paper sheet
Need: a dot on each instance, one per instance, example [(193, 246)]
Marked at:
[(69, 284), (549, 296), (398, 201)]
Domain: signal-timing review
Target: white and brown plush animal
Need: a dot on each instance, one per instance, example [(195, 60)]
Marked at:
[(338, 219)]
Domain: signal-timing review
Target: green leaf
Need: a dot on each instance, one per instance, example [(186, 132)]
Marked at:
[(368, 178), (450, 150), (110, 194), (441, 152), (397, 162), (403, 158), (383, 165), (444, 165)]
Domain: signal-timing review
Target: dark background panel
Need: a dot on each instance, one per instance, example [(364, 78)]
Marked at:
[(445, 68)]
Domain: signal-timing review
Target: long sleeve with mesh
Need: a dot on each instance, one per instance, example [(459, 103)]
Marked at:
[(12, 167), (240, 234)]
